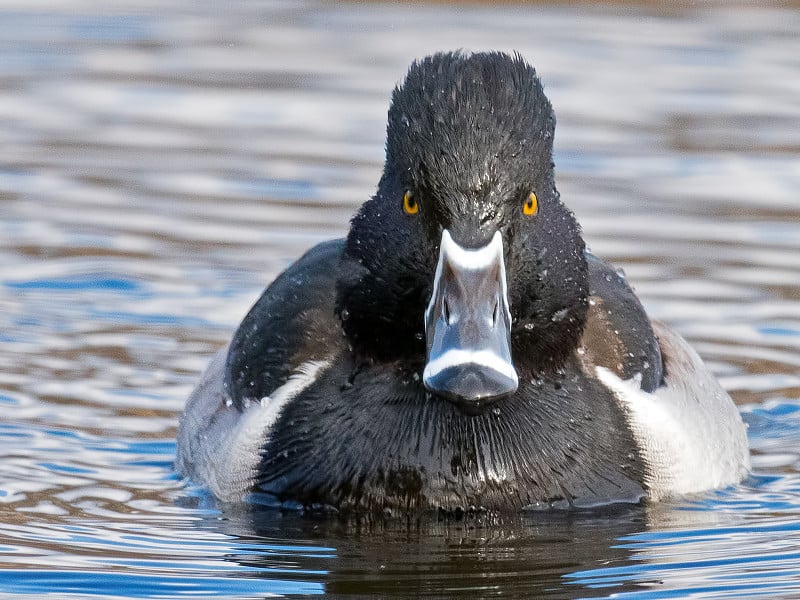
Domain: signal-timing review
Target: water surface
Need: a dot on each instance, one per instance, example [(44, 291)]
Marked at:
[(160, 163)]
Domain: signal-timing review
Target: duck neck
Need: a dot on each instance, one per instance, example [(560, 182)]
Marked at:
[(548, 346), (381, 321)]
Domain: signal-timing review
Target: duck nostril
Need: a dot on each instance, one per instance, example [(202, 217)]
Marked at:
[(495, 312), (446, 311)]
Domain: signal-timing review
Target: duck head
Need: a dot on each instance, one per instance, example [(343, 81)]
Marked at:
[(465, 262)]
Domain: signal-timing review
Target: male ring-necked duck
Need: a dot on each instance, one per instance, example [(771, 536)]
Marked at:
[(460, 347)]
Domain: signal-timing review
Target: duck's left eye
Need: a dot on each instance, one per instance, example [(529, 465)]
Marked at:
[(531, 205), (410, 204)]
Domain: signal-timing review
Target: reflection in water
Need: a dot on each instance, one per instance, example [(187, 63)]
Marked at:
[(528, 557), (160, 163)]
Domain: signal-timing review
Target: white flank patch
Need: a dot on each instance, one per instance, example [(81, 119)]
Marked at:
[(689, 431), (227, 446), (458, 357)]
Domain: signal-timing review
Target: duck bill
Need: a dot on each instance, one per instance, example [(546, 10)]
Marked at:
[(468, 326)]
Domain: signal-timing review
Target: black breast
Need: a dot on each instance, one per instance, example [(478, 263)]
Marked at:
[(378, 441)]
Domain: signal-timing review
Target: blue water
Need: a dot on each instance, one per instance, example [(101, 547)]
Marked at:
[(160, 163)]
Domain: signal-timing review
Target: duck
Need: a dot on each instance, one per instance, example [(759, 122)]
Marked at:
[(460, 348)]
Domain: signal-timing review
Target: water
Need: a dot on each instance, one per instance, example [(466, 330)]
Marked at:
[(161, 162)]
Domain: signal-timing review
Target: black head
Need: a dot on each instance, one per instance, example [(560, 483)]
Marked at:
[(469, 151)]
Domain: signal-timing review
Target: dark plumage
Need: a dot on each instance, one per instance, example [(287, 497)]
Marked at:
[(329, 362)]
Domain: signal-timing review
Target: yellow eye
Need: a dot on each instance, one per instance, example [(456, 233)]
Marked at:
[(531, 206), (410, 204)]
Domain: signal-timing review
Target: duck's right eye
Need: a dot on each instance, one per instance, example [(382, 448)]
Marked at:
[(410, 204), (531, 205)]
